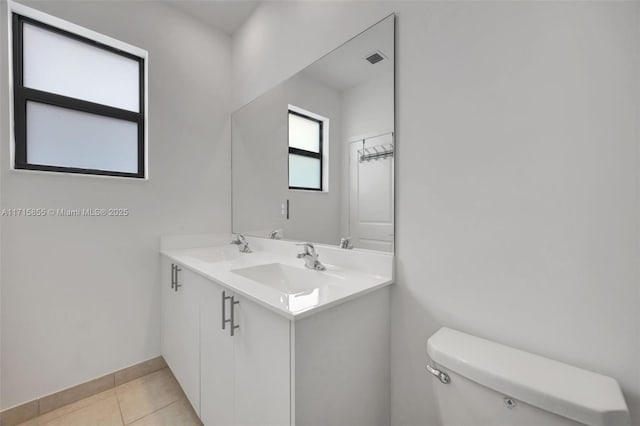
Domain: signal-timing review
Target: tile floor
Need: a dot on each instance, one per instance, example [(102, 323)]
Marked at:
[(152, 400)]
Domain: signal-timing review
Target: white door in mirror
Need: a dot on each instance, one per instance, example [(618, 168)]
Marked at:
[(371, 197)]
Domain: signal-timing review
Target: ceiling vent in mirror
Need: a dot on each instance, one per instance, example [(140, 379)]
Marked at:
[(375, 57)]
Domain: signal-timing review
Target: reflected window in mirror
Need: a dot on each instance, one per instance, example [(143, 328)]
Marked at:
[(305, 150)]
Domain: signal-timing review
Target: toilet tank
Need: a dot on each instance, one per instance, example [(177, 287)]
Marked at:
[(483, 383)]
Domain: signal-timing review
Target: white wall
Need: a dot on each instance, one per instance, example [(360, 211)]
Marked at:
[(80, 296), (517, 173), (367, 109)]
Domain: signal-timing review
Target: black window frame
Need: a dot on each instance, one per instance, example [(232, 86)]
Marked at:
[(305, 153), (23, 94)]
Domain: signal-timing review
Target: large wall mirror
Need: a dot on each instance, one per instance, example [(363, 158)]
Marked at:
[(313, 158)]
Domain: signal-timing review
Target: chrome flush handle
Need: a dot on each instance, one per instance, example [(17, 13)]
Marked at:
[(441, 375)]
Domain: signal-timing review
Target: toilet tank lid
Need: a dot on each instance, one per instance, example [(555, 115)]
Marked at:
[(571, 392)]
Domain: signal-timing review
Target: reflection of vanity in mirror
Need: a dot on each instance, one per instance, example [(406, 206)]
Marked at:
[(313, 158)]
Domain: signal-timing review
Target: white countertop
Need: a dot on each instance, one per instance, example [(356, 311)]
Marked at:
[(216, 263)]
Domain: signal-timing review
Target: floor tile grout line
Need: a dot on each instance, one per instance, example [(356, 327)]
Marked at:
[(153, 412), (118, 389), (123, 385), (115, 394), (71, 411), (129, 382), (119, 408), (112, 387)]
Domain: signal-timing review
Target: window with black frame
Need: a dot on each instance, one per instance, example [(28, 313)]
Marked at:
[(79, 104), (305, 152)]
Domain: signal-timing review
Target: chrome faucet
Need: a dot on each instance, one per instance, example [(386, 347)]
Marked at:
[(276, 234), (345, 243), (242, 243), (310, 257)]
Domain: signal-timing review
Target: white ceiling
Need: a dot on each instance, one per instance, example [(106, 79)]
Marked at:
[(347, 67), (225, 15)]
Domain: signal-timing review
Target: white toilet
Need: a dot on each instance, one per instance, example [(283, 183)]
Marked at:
[(482, 383)]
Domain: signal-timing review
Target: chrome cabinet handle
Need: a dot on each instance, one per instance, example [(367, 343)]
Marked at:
[(234, 302), (173, 275), (224, 309), (175, 284), (231, 320)]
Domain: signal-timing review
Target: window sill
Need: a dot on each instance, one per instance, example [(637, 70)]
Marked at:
[(49, 173), (311, 191)]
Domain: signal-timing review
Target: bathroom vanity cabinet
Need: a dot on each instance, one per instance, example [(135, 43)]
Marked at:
[(328, 368), (180, 328)]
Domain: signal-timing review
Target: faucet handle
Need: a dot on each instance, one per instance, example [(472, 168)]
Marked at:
[(346, 243), (310, 257), (275, 234), (308, 248), (242, 243), (239, 239)]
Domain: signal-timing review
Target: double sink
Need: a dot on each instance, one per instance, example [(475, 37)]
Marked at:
[(276, 279)]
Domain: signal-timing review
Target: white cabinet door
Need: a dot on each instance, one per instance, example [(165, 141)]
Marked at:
[(169, 306), (181, 329), (216, 357), (262, 366)]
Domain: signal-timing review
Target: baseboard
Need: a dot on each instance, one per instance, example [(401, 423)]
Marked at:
[(24, 412)]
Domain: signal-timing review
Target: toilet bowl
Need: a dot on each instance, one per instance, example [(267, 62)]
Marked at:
[(482, 383)]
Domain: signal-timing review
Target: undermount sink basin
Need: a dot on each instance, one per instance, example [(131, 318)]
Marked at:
[(287, 279)]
